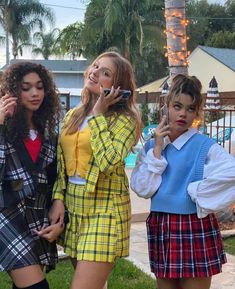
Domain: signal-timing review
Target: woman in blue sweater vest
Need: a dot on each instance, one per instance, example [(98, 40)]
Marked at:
[(178, 169)]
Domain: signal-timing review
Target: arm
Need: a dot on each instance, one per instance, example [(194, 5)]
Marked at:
[(61, 178), (2, 152), (217, 189), (146, 176), (110, 149), (56, 213), (7, 108)]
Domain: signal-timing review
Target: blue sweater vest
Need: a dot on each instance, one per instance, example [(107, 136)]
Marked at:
[(184, 167)]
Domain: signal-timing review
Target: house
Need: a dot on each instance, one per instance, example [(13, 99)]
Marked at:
[(206, 62), (215, 68), (68, 76)]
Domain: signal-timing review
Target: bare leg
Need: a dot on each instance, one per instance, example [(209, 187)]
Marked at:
[(164, 283), (91, 275), (195, 283), (27, 276)]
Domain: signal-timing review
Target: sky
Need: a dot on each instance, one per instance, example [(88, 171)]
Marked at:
[(66, 12)]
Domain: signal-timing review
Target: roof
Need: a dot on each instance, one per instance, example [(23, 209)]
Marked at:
[(224, 55), (155, 86), (59, 66), (71, 91)]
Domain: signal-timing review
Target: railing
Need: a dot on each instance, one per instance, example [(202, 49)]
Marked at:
[(219, 123)]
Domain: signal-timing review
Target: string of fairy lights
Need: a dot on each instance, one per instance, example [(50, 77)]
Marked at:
[(176, 48)]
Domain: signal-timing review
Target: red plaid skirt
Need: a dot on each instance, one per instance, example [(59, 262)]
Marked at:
[(184, 246)]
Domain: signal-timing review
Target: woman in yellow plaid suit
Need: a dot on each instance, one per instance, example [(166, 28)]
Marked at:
[(92, 184)]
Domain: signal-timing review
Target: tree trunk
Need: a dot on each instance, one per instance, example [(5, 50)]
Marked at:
[(176, 36), (7, 48), (5, 12), (14, 49)]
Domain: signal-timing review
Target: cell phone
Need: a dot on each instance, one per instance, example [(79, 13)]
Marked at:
[(164, 112), (123, 92)]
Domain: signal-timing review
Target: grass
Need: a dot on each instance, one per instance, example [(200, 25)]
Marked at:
[(229, 245), (125, 275)]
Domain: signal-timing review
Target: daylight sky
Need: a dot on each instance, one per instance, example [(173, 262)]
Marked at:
[(66, 12)]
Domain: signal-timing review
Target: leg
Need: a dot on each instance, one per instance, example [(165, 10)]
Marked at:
[(27, 276), (91, 275), (195, 283), (41, 285), (164, 283)]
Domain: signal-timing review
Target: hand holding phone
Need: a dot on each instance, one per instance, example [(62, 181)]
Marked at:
[(164, 112), (122, 92)]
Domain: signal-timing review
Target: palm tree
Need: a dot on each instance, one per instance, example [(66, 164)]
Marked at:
[(18, 18), (176, 36), (46, 43), (117, 23), (69, 40), (126, 16)]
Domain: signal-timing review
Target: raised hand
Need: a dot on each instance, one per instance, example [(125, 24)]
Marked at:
[(7, 107), (105, 101), (161, 131)]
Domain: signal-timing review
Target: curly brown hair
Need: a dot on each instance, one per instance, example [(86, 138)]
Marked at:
[(47, 117)]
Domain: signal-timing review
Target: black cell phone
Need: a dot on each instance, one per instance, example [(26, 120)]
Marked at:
[(125, 93), (164, 112)]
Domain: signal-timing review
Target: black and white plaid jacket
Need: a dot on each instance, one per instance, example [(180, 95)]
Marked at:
[(20, 177)]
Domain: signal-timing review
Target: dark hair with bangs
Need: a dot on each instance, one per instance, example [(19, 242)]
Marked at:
[(190, 85), (46, 117)]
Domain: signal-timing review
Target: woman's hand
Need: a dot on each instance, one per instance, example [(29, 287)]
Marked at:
[(56, 213), (105, 101), (7, 107), (160, 132), (51, 232)]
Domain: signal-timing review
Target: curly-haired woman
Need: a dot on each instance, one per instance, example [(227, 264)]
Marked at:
[(29, 114)]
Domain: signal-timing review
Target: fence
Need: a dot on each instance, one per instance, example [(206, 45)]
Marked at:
[(219, 123)]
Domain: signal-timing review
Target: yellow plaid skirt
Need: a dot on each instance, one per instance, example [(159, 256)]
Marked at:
[(99, 225)]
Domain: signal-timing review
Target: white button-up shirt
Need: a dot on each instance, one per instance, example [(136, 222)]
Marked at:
[(214, 192)]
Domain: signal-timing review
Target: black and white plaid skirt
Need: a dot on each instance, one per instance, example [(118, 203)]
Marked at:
[(19, 245)]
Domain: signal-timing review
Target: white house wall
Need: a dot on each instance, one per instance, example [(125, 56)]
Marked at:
[(204, 66)]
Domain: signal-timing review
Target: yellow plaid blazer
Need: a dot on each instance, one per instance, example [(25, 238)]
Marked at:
[(111, 140)]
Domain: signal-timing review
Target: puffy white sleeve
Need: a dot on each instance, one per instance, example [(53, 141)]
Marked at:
[(146, 177), (216, 190)]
